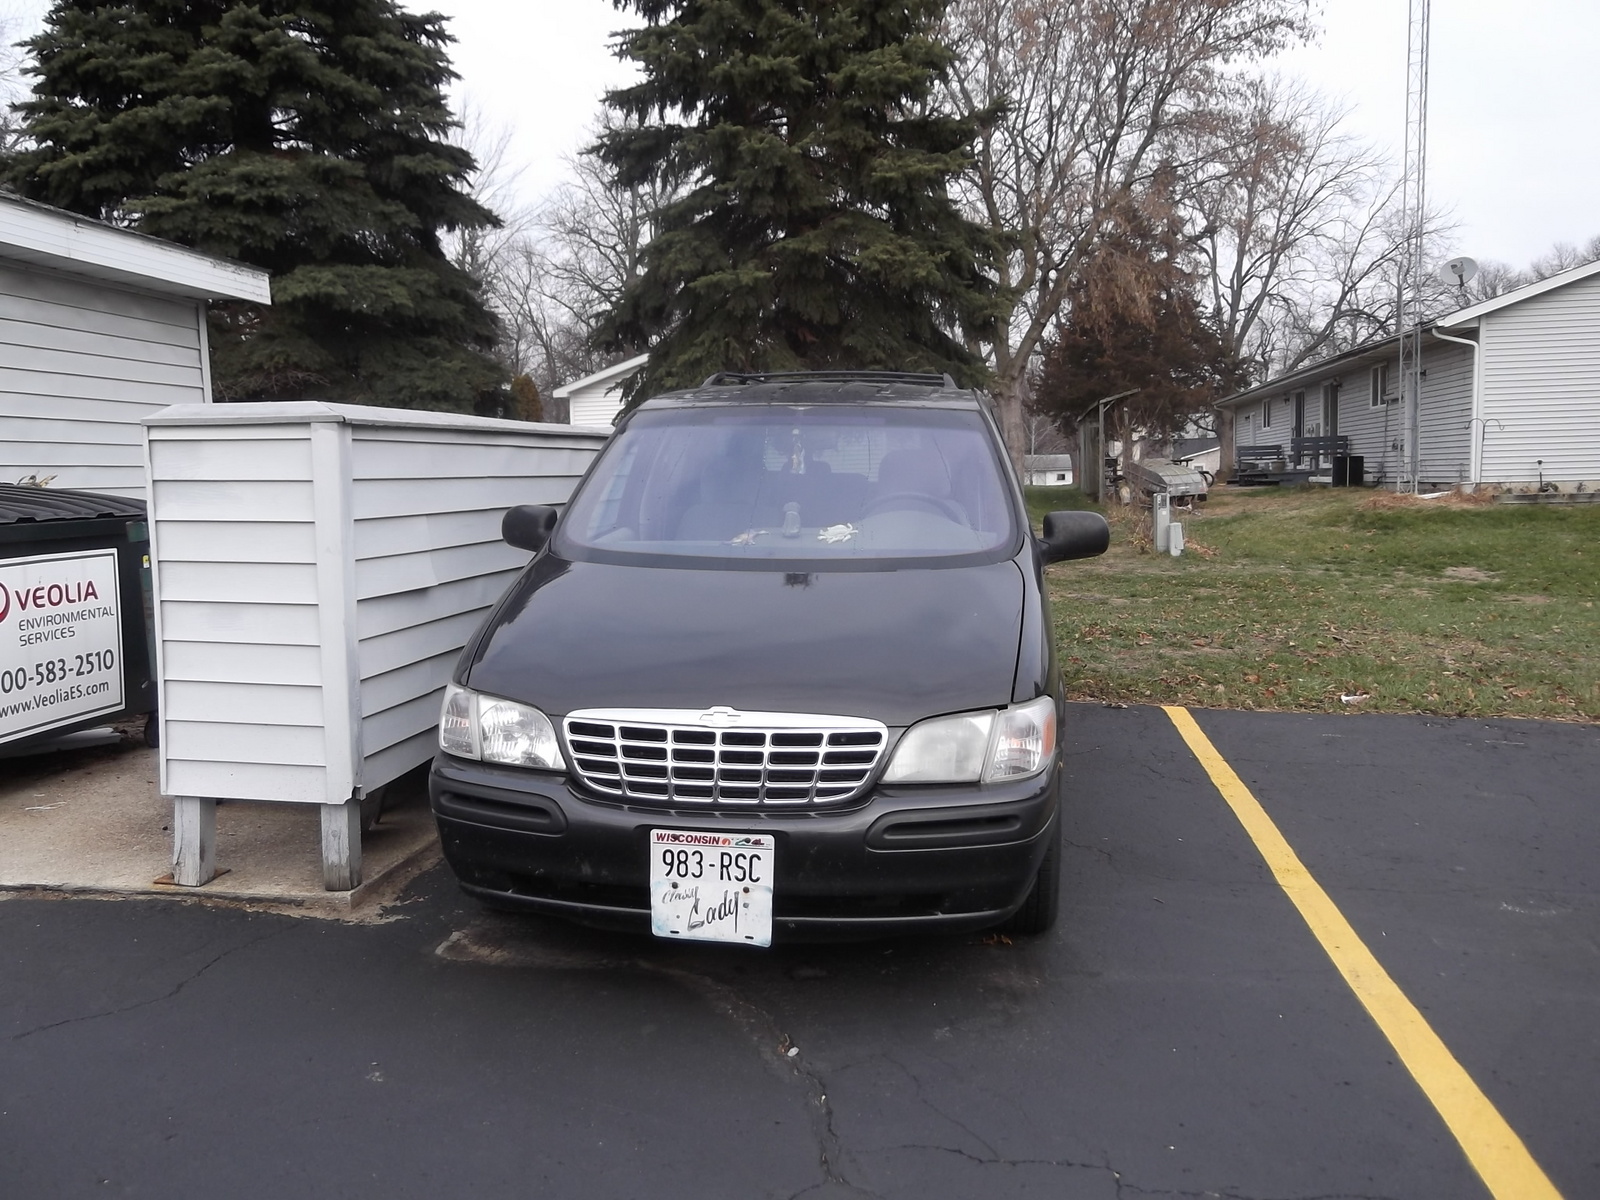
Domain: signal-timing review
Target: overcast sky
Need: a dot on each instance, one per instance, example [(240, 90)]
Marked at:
[(1513, 111), (1514, 107)]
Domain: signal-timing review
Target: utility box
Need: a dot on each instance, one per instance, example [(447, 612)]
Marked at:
[(318, 568), (1349, 470), (75, 647), (1160, 520)]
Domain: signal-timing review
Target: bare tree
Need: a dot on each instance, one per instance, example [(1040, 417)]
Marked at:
[(1495, 278), (597, 232), (496, 184), (12, 86), (1081, 104), (1295, 228), (550, 270), (540, 337), (1043, 433), (1563, 256), (585, 245)]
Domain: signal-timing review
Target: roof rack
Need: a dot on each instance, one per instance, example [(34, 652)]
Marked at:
[(726, 378)]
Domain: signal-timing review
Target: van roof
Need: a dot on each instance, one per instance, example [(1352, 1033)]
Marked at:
[(820, 387)]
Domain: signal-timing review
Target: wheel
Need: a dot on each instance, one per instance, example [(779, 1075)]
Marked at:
[(893, 500), (1038, 911)]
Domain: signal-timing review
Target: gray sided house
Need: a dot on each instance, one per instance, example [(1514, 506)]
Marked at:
[(98, 327), (1510, 395)]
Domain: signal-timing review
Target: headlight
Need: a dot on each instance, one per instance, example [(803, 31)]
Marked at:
[(458, 723), (1024, 740), (1012, 743), (499, 731), (943, 750)]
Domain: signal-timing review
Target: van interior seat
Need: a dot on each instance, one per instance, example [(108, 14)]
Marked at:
[(918, 471)]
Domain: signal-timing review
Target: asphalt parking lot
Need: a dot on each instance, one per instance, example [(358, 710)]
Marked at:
[(1183, 1032)]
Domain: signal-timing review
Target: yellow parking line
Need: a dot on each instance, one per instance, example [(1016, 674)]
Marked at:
[(1491, 1145)]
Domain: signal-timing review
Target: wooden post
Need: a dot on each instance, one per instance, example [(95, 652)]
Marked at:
[(194, 840), (341, 846), (1225, 442)]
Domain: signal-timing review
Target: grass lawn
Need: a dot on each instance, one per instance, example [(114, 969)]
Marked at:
[(1294, 599)]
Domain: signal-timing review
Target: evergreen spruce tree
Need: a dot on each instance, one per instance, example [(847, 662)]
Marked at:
[(308, 139), (815, 228)]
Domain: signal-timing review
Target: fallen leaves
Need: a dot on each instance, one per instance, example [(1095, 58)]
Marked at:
[(1288, 619)]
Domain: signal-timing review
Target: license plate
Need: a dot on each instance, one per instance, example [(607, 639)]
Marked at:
[(711, 887)]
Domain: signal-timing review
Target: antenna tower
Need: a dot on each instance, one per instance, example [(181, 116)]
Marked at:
[(1414, 214)]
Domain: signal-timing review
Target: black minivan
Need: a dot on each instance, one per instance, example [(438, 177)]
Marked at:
[(783, 666)]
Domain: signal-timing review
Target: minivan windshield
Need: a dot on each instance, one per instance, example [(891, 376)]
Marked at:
[(821, 482)]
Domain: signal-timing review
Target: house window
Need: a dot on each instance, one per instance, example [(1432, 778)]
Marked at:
[(1330, 408), (1381, 393), (1266, 414)]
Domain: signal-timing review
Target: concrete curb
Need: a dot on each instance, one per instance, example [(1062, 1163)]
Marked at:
[(91, 823)]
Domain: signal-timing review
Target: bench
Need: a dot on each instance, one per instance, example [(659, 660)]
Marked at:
[(1318, 448), (1257, 454), (1256, 465)]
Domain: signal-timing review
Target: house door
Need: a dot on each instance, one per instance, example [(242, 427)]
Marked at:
[(1330, 409)]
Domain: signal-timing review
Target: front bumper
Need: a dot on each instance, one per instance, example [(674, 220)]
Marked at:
[(902, 860)]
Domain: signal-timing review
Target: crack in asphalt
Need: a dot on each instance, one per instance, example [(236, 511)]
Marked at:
[(773, 1046), (1124, 1188), (778, 1049), (922, 1097), (852, 1188), (1100, 850), (146, 1003), (1159, 769), (771, 1042)]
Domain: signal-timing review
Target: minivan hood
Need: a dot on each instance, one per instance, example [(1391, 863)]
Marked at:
[(894, 646)]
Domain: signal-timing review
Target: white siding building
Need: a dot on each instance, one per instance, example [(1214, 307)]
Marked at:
[(318, 568), (597, 399), (1047, 470), (98, 328), (1510, 394), (1536, 402)]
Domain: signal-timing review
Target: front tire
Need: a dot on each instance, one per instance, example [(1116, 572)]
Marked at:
[(1038, 911)]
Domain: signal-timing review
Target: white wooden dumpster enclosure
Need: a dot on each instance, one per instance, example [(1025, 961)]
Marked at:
[(317, 570)]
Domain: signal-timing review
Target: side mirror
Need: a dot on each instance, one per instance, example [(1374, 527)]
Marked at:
[(528, 526), (1074, 535)]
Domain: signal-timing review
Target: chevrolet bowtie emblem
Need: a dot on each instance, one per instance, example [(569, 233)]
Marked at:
[(721, 717)]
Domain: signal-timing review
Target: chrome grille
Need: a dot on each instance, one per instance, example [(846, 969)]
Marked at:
[(722, 757)]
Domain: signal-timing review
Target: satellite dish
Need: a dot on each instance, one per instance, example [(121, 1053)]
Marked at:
[(1460, 271)]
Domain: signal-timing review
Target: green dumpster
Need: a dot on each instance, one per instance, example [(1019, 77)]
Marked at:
[(76, 641)]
